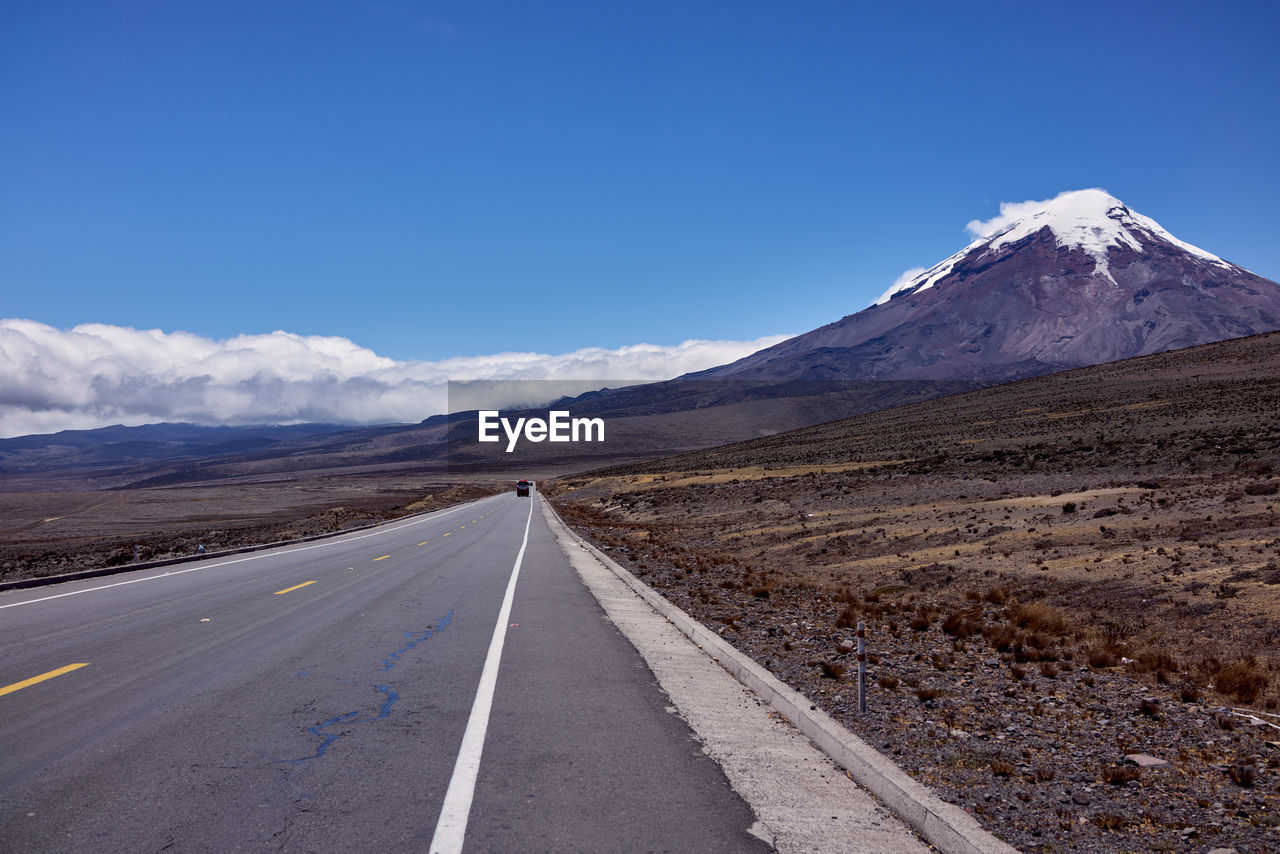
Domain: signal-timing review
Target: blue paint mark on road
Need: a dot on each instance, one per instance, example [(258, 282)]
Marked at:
[(329, 732), (339, 725), (415, 638)]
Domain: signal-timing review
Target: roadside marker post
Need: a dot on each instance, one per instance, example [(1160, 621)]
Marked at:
[(862, 666)]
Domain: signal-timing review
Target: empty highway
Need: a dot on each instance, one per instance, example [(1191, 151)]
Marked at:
[(323, 697)]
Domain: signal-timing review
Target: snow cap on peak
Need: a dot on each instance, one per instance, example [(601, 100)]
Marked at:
[(1077, 210), (1092, 220)]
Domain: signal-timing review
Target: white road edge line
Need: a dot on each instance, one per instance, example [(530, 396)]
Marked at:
[(257, 556), (451, 828)]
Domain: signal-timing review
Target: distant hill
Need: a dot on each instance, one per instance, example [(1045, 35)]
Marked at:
[(1147, 411), (120, 446)]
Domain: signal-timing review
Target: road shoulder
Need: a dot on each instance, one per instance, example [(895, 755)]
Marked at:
[(802, 800)]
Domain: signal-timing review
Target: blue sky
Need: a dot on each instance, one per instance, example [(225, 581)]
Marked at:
[(438, 180)]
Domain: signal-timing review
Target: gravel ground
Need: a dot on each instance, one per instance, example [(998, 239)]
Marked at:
[(1036, 749)]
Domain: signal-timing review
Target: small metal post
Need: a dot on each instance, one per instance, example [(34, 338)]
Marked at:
[(862, 666)]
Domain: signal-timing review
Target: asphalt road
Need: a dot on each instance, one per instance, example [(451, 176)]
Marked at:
[(315, 698)]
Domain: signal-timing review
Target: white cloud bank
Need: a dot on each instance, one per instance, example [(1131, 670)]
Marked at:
[(1010, 213), (95, 375)]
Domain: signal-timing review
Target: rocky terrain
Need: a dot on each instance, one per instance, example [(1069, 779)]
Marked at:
[(1071, 587)]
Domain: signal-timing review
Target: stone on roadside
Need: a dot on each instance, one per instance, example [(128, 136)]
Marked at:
[(1142, 760)]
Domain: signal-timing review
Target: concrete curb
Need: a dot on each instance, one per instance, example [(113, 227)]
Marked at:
[(944, 825), (99, 572)]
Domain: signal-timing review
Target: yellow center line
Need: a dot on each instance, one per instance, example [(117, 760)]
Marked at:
[(424, 542), (460, 527), (384, 557), (25, 683), (293, 588), (446, 533)]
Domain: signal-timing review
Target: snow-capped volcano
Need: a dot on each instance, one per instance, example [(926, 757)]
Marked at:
[(1076, 280), (1093, 221)]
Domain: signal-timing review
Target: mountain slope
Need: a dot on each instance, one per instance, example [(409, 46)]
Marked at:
[(1077, 280)]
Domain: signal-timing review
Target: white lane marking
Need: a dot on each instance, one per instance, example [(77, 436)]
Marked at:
[(270, 553), (451, 829)]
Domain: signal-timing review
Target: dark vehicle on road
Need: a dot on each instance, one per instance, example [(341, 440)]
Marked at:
[(522, 488)]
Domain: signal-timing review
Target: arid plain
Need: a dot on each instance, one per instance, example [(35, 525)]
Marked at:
[(1055, 574), (65, 527)]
